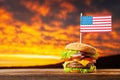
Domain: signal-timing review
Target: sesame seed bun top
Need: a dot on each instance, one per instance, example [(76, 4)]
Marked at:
[(81, 47)]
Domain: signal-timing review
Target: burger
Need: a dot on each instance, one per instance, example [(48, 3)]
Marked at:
[(79, 57)]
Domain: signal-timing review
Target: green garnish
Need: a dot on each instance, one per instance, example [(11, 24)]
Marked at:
[(68, 53)]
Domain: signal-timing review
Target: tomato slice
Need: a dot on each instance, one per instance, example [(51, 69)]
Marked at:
[(90, 59)]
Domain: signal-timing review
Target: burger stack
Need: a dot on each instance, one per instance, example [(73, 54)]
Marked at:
[(79, 57)]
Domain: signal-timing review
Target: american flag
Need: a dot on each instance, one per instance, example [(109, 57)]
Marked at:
[(95, 24)]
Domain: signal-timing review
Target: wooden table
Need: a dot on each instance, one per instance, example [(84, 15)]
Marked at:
[(57, 74)]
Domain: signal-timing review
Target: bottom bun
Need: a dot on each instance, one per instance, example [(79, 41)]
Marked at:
[(80, 70)]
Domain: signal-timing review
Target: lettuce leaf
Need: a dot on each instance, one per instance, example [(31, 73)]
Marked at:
[(91, 69), (68, 53)]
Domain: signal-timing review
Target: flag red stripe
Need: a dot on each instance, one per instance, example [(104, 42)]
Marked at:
[(105, 20), (96, 30), (96, 27)]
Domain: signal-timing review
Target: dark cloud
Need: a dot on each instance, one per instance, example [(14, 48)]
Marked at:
[(112, 6), (19, 11)]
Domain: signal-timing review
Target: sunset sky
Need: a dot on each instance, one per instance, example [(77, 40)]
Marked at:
[(46, 26)]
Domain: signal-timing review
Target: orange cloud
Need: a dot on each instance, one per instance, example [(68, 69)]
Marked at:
[(43, 9), (66, 8), (5, 16), (88, 2)]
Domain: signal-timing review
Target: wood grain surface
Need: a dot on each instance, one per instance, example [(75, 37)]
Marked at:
[(57, 74)]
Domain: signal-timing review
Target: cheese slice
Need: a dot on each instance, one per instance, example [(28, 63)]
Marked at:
[(84, 62)]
